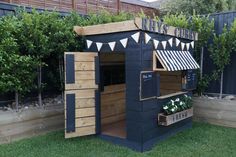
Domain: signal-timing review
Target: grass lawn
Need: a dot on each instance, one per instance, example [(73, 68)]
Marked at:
[(203, 140)]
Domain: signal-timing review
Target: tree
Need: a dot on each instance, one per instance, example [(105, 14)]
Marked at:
[(220, 54), (17, 72), (33, 41), (200, 6)]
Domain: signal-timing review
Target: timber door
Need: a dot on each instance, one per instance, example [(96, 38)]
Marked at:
[(80, 93)]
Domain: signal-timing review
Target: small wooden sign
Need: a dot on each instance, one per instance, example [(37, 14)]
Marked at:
[(162, 28)]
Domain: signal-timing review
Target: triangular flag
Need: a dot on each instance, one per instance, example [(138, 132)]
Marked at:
[(188, 45), (136, 37), (156, 43), (183, 46), (177, 41), (112, 45), (170, 41), (124, 42), (192, 44), (164, 44), (99, 45), (89, 43), (147, 38)]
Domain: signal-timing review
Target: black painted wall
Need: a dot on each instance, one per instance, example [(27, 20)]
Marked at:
[(141, 116)]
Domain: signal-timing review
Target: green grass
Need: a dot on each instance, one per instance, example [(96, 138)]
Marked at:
[(203, 140)]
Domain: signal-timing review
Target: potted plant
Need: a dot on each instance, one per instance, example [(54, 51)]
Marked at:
[(176, 110)]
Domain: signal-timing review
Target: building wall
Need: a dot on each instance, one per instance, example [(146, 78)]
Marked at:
[(141, 116), (85, 6)]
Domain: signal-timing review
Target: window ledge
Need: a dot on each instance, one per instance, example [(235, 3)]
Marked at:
[(171, 95)]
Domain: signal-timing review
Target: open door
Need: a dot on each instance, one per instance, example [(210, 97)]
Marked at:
[(81, 85)]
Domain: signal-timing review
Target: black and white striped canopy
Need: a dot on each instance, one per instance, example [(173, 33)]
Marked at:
[(177, 60)]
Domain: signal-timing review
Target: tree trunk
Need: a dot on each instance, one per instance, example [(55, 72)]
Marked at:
[(221, 84), (17, 100), (61, 71), (40, 85), (201, 65)]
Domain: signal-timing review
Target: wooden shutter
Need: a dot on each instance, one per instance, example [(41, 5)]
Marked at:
[(80, 89)]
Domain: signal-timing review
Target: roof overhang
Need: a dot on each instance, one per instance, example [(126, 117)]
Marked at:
[(142, 24)]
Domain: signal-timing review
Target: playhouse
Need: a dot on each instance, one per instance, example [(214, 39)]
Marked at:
[(116, 88)]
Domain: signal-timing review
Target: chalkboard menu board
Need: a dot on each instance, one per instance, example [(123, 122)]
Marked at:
[(149, 82), (191, 79)]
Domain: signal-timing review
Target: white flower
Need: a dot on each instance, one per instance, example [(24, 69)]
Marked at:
[(181, 103), (172, 102), (177, 99), (165, 107), (172, 109), (185, 95)]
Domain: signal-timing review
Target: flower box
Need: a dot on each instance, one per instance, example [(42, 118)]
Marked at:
[(167, 120)]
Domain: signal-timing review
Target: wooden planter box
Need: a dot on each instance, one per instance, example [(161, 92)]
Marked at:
[(167, 120)]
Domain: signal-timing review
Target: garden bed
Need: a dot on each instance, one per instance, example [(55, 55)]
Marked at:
[(30, 121), (215, 111)]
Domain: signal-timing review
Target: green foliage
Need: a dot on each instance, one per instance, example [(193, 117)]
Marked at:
[(177, 105), (220, 50), (188, 7), (38, 39), (177, 20), (232, 36), (17, 71), (32, 39)]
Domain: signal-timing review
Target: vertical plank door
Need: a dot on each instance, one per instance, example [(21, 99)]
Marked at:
[(80, 89)]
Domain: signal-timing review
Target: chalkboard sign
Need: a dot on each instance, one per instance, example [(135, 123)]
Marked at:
[(149, 82), (191, 80)]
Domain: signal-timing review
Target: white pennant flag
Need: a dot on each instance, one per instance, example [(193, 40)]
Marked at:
[(192, 44), (188, 45), (177, 41), (124, 42), (136, 36), (183, 46), (99, 45), (164, 44), (89, 43), (170, 41), (147, 38), (156, 43), (112, 45)]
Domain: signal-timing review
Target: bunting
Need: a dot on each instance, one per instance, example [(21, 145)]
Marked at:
[(112, 45), (177, 42), (164, 44), (136, 37), (99, 45), (147, 38), (192, 44), (89, 43), (187, 46), (183, 46), (170, 41), (155, 43), (124, 42)]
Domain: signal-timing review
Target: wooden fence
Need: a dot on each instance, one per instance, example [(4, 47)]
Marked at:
[(229, 83), (85, 6)]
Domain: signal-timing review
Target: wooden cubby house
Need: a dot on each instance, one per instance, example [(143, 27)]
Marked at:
[(118, 85)]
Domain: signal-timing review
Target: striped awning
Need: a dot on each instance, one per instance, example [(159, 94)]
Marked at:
[(176, 60)]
